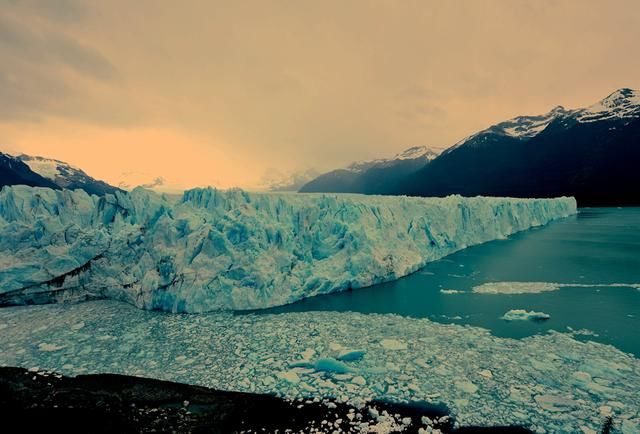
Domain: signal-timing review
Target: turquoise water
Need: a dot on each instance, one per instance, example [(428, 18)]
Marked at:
[(598, 246)]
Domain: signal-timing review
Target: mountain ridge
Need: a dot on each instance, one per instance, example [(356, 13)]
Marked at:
[(590, 153), (38, 171), (13, 172), (366, 176)]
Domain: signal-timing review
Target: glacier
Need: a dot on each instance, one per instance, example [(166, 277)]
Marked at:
[(210, 250)]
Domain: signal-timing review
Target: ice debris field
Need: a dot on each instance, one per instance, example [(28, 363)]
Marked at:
[(550, 383), (212, 250)]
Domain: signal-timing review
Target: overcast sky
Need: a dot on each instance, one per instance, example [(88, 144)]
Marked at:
[(221, 92)]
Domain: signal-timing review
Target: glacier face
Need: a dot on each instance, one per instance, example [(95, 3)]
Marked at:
[(209, 250)]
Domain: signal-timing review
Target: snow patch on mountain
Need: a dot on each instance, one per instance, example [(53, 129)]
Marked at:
[(623, 103), (529, 126), (416, 152), (208, 249), (64, 175), (55, 170), (47, 167), (521, 127), (413, 153)]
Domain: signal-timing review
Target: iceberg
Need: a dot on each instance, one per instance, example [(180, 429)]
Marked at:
[(525, 315), (513, 288), (210, 250)]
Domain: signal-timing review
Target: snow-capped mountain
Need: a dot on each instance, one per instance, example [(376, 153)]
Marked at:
[(13, 172), (591, 153), (522, 127), (372, 175), (64, 175), (46, 172), (414, 153), (621, 104)]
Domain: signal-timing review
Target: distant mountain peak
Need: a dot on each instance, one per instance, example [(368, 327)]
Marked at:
[(622, 103), (416, 152), (412, 153), (14, 171), (65, 175), (520, 127), (621, 95), (558, 110), (373, 175), (48, 167)]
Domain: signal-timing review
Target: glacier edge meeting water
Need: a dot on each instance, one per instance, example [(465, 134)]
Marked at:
[(211, 250)]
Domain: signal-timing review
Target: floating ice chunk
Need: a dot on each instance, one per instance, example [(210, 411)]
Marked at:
[(307, 387), (466, 386), (451, 291), (332, 365), (334, 346), (631, 426), (537, 287), (289, 376), (306, 364), (582, 332), (308, 354), (393, 344), (77, 326), (49, 347), (455, 317), (515, 287), (359, 380), (524, 315), (605, 410), (486, 373), (555, 403), (351, 355)]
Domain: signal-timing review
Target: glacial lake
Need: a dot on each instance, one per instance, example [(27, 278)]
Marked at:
[(598, 246)]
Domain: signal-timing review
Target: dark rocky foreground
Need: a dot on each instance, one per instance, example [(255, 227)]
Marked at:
[(39, 401)]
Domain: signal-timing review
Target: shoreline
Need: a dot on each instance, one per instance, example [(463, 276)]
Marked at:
[(120, 403)]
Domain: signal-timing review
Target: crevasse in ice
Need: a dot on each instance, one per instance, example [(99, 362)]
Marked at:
[(209, 249)]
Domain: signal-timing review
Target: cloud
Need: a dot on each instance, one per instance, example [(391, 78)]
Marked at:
[(65, 11), (45, 72), (297, 84)]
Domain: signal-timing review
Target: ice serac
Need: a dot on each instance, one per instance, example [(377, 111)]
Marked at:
[(208, 249)]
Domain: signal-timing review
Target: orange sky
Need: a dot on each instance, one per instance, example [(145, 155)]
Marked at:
[(207, 92)]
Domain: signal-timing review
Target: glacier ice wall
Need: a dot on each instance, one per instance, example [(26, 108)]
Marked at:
[(209, 249)]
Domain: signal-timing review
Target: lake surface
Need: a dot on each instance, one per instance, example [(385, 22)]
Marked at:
[(598, 246)]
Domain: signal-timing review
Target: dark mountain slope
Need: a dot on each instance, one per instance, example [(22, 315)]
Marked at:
[(372, 177), (14, 171), (67, 176), (597, 162)]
